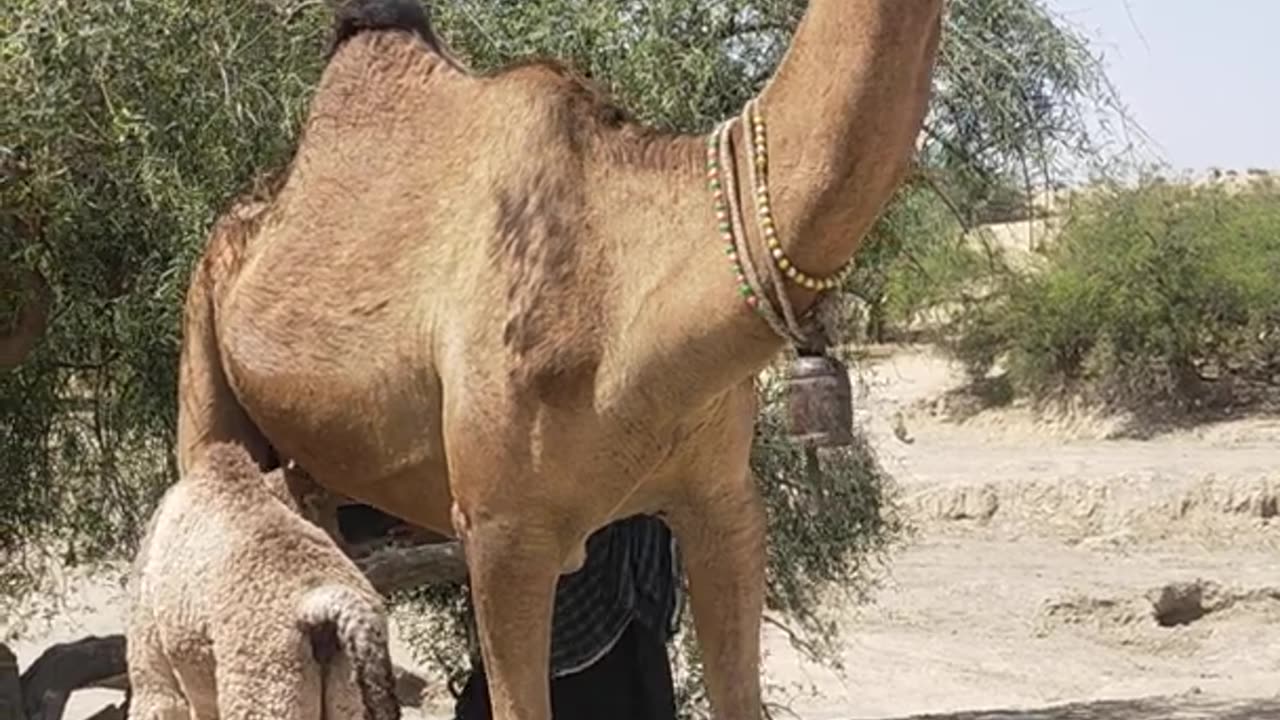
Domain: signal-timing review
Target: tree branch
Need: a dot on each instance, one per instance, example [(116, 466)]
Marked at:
[(928, 179), (391, 569), (796, 641), (736, 29)]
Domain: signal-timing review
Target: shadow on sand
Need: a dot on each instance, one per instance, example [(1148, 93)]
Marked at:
[(1183, 707)]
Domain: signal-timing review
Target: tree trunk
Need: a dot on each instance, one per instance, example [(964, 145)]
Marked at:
[(390, 569), (89, 662), (10, 688), (35, 301)]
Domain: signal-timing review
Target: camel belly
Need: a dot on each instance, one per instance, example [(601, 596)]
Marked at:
[(334, 384)]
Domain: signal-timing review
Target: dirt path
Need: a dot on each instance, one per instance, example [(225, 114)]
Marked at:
[(1184, 707), (1043, 552), (971, 622), (1030, 590)]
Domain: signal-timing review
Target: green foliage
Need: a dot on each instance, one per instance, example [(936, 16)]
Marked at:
[(125, 127), (1160, 296), (831, 518), (1016, 93), (914, 259), (676, 64)]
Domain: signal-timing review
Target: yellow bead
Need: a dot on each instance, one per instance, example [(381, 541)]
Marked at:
[(784, 263)]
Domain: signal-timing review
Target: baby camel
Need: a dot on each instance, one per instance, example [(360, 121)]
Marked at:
[(240, 607)]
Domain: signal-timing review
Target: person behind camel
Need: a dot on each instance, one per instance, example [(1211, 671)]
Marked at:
[(612, 622), (240, 607)]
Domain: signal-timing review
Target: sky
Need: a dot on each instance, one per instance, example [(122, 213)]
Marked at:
[(1201, 77)]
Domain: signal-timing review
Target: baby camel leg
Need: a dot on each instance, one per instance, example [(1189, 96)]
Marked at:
[(155, 694), (266, 674), (721, 534)]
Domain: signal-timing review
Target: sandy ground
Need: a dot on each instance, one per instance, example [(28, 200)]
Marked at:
[(1030, 588)]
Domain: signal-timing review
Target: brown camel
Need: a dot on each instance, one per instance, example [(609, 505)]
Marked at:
[(494, 306)]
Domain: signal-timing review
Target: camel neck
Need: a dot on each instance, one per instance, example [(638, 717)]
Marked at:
[(843, 111)]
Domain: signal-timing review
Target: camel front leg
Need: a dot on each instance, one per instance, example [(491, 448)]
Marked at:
[(722, 540), (513, 568)]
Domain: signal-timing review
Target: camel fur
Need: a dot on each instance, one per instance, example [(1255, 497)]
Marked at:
[(498, 308), (241, 608)]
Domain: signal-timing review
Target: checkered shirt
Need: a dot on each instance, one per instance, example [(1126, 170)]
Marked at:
[(631, 572)]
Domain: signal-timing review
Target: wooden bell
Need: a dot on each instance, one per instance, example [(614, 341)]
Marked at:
[(819, 401)]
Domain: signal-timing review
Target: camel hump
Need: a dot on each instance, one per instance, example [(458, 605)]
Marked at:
[(353, 17)]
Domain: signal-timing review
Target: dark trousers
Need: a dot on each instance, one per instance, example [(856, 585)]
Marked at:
[(631, 682)]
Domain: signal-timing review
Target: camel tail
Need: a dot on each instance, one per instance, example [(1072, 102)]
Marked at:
[(338, 619), (352, 17)]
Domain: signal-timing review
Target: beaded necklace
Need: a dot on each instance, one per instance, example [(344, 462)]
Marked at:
[(722, 184)]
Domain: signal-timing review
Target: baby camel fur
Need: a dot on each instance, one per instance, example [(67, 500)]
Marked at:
[(242, 608)]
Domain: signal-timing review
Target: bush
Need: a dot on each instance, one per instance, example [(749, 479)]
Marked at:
[(1162, 296), (917, 259), (124, 128)]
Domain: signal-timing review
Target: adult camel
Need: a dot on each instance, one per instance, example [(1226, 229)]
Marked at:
[(494, 306)]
